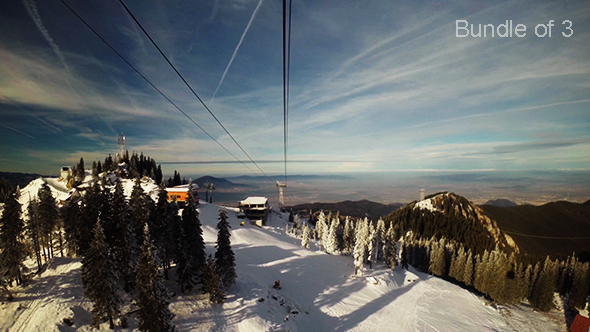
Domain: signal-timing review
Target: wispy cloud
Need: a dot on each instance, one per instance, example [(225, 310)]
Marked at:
[(17, 131)]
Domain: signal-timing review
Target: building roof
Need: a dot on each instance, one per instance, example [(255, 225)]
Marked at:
[(580, 324), (254, 200)]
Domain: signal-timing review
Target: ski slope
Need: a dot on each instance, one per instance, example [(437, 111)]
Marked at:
[(318, 294)]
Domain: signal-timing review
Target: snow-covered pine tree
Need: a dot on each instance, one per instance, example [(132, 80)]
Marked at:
[(480, 269), (194, 231), (348, 235), (12, 247), (390, 249), (322, 229), (225, 261), (361, 244), (380, 234), (542, 296), (468, 272), (331, 238), (305, 237), (47, 214), (458, 264), (212, 284), (152, 297), (100, 280), (437, 258), (371, 245)]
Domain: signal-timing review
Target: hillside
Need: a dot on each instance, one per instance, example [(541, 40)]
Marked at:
[(542, 226), (450, 216), (318, 294), (358, 209), (220, 183), (501, 202), (20, 179)]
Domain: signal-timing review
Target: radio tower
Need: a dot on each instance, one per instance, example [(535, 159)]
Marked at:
[(120, 147)]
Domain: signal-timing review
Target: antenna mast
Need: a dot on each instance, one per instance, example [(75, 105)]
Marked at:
[(120, 147)]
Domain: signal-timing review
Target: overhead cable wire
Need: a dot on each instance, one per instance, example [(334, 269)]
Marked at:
[(286, 69), (152, 85), (188, 85)]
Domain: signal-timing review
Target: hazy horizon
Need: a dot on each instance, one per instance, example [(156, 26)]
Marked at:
[(522, 187)]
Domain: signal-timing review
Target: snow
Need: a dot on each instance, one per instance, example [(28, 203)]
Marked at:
[(318, 293), (425, 205), (254, 200)]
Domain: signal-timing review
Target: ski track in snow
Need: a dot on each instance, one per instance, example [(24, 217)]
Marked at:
[(318, 294)]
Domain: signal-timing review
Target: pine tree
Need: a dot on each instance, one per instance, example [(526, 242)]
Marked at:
[(579, 291), (331, 238), (160, 230), (185, 272), (542, 296), (48, 215), (305, 237), (468, 273), (404, 256), (437, 258), (70, 214), (458, 265), (212, 284), (152, 298), (138, 218), (193, 231), (12, 247), (158, 174), (80, 170), (322, 229), (115, 218), (225, 262), (371, 245), (89, 212), (348, 235), (390, 250), (380, 234), (33, 229), (360, 245), (100, 280)]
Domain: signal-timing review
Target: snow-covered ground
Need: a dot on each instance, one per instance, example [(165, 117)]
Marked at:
[(318, 294)]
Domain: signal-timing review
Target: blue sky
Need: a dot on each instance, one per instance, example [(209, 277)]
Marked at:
[(375, 85)]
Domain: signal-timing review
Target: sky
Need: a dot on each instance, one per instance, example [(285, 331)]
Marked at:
[(374, 85)]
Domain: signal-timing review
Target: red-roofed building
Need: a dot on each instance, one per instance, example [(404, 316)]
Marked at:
[(580, 324)]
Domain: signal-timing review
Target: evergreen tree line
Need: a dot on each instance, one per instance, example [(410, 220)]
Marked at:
[(123, 244), (367, 242), (503, 277), (136, 165), (176, 180)]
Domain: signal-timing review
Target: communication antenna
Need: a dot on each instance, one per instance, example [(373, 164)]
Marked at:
[(281, 186), (120, 147)]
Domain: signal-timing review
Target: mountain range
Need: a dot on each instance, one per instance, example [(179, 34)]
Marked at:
[(356, 209)]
